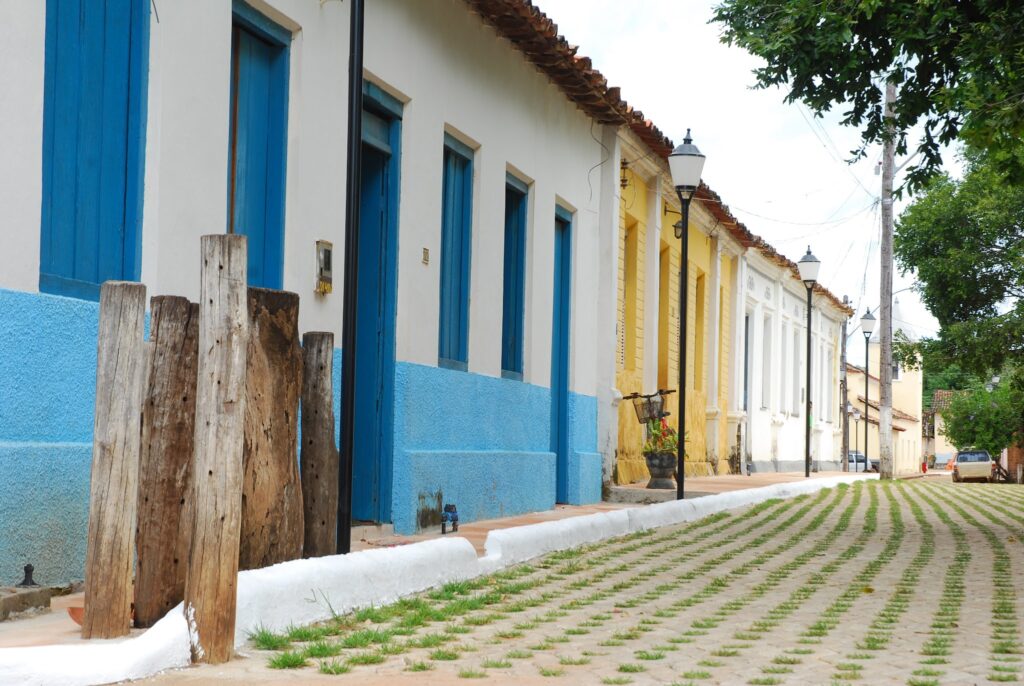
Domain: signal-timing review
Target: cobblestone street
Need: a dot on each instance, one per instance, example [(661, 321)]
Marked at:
[(911, 583)]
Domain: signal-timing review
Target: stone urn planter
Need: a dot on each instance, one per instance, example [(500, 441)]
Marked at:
[(662, 466)]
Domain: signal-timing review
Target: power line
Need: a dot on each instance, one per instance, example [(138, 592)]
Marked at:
[(829, 152), (821, 223)]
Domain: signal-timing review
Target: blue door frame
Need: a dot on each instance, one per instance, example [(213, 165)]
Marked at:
[(257, 140), (560, 342), (94, 141), (372, 463)]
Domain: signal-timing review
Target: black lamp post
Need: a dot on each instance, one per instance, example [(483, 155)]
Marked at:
[(808, 266), (867, 325), (686, 163), (856, 433)]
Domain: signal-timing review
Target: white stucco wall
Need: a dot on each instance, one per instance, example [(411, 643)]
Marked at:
[(456, 74), (776, 431), (187, 147), (22, 59), (453, 73)]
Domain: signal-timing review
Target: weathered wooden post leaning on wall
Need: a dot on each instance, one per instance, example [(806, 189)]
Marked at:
[(319, 451), (165, 465), (114, 487), (211, 582), (271, 493)]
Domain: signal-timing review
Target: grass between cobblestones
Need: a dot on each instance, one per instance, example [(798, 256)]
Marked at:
[(759, 596)]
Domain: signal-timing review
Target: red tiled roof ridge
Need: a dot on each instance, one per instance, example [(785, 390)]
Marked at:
[(536, 36), (942, 398), (896, 412)]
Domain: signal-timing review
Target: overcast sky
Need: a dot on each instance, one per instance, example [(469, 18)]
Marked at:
[(780, 170)]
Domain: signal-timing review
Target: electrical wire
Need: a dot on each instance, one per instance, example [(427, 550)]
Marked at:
[(835, 158), (821, 223)]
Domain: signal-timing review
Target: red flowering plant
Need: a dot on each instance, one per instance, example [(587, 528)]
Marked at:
[(661, 438)]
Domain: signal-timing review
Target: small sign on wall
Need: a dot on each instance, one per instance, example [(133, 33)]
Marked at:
[(324, 260)]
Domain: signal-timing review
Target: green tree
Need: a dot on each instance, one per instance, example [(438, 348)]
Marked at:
[(944, 378), (964, 240), (985, 419), (959, 67)]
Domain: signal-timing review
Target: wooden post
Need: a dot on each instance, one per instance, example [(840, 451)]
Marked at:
[(319, 451), (211, 582), (114, 485), (271, 491), (165, 466)]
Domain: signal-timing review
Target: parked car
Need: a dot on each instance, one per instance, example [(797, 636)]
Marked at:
[(856, 462), (973, 464)]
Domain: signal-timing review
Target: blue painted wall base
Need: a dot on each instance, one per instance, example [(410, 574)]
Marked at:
[(44, 510), (480, 442), (47, 393)]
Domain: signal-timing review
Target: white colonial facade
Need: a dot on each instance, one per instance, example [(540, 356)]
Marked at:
[(771, 378)]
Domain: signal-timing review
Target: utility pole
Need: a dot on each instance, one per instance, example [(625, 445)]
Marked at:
[(843, 396), (885, 466)]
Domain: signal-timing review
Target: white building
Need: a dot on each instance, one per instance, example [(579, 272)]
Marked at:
[(128, 135), (771, 386)]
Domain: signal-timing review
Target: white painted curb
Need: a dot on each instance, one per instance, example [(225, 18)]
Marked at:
[(306, 591), (164, 646)]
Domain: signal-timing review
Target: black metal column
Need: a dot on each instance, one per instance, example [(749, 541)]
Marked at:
[(867, 408), (684, 278), (348, 326), (807, 398)]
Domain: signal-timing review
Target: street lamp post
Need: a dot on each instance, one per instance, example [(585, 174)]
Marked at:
[(867, 325), (856, 433), (808, 266), (686, 163)]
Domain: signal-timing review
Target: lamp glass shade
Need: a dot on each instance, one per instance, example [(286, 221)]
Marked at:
[(867, 323), (809, 266), (856, 415), (686, 164)]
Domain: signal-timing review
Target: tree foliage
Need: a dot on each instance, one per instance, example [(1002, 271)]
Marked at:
[(944, 378), (964, 240), (959, 67), (985, 419)]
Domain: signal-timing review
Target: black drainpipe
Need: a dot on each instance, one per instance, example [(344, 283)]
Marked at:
[(348, 326)]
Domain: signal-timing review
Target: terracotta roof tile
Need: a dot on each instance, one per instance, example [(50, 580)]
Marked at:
[(941, 400)]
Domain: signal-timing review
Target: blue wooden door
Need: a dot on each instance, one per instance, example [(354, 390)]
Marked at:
[(375, 317), (561, 309), (94, 124), (257, 141)]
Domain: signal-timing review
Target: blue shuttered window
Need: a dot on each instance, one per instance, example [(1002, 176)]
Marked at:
[(456, 240), (514, 279), (94, 132), (258, 140)]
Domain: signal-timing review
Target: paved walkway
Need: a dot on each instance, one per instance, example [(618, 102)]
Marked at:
[(57, 627), (916, 582), (696, 486)]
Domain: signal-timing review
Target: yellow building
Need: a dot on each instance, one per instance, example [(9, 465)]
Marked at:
[(906, 410), (647, 326)]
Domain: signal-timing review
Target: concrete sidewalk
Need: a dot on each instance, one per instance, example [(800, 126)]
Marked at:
[(55, 626), (629, 495)]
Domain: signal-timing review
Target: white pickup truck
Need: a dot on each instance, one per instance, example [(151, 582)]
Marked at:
[(973, 464)]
